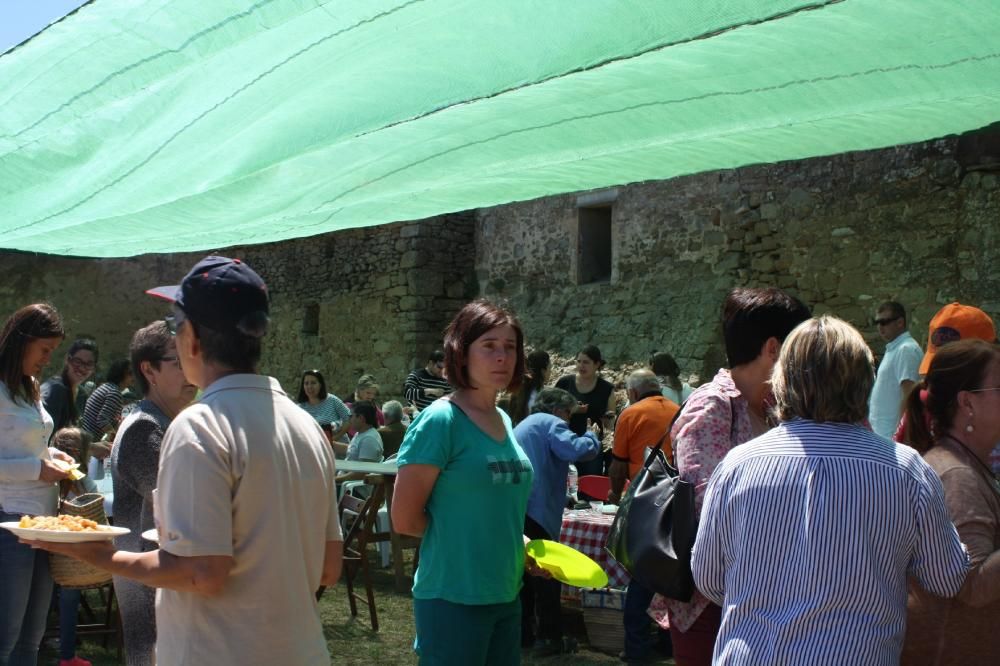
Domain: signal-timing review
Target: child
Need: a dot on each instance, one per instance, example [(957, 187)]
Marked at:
[(76, 443)]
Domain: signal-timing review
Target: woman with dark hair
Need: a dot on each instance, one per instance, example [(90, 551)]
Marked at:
[(104, 406), (809, 533), (59, 392), (29, 472), (522, 400), (328, 410), (953, 419), (463, 487), (597, 403), (729, 410), (135, 463), (666, 369)]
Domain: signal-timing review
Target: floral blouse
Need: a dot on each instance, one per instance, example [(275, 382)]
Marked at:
[(715, 419)]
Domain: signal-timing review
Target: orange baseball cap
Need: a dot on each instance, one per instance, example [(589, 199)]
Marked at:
[(956, 322)]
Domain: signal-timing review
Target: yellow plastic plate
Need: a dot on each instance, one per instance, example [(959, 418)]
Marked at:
[(566, 564)]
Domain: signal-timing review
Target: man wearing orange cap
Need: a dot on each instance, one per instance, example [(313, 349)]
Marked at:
[(897, 373), (956, 322), (951, 323)]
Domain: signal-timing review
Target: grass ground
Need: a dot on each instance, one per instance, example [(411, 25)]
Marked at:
[(353, 643)]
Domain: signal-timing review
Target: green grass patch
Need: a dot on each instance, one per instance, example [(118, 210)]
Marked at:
[(352, 641)]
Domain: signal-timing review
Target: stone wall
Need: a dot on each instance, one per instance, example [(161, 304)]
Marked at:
[(916, 223), (380, 297)]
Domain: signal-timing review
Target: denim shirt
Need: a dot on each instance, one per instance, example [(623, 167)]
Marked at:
[(551, 446), (24, 436)]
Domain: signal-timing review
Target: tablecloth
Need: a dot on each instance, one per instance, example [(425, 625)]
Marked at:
[(586, 531)]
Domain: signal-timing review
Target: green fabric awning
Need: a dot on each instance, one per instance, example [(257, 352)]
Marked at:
[(180, 125)]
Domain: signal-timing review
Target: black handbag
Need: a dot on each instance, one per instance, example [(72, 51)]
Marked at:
[(654, 529)]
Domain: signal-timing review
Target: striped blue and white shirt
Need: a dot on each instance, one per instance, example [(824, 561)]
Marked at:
[(329, 411), (807, 536)]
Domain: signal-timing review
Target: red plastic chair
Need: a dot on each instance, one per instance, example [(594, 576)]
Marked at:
[(595, 486)]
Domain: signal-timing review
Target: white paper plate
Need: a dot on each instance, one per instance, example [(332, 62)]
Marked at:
[(151, 535), (609, 509), (56, 536)]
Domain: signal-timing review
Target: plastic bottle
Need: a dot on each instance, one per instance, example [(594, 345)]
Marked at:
[(572, 481)]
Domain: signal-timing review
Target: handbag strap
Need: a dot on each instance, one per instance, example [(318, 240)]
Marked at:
[(673, 453), (659, 445)]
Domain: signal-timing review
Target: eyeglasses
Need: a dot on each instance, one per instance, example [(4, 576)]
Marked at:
[(440, 365), (174, 320), (171, 359), (80, 363), (887, 320), (983, 390)]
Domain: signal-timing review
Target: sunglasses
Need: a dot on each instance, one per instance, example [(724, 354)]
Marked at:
[(174, 320), (883, 322)]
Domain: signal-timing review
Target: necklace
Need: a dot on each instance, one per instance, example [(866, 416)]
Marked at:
[(983, 467)]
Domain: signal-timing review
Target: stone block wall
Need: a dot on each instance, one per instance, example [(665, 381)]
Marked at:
[(917, 223), (379, 297)]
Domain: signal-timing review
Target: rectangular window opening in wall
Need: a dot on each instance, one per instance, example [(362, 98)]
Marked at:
[(594, 245), (310, 319)]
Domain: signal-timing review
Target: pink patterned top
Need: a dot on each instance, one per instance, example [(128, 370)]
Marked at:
[(715, 419)]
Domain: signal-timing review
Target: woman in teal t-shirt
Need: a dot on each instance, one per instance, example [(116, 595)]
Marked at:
[(463, 487)]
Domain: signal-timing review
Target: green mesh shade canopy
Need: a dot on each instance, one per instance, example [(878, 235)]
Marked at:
[(179, 125)]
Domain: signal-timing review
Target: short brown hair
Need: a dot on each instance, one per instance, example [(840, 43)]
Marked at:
[(751, 317), (149, 343), (473, 321), (74, 442), (825, 372)]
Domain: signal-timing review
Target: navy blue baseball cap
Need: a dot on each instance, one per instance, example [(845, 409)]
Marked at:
[(223, 294)]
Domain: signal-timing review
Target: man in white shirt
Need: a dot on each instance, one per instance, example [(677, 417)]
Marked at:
[(898, 371), (245, 505)]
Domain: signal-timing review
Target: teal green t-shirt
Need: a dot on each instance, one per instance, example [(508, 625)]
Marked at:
[(473, 550)]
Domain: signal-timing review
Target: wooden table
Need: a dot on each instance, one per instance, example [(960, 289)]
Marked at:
[(397, 542)]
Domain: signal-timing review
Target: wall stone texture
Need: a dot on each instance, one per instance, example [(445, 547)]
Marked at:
[(915, 223), (382, 295)]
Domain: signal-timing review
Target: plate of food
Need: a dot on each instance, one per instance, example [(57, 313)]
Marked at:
[(151, 535), (62, 529), (566, 564)]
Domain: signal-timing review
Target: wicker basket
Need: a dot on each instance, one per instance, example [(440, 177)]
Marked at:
[(604, 619), (71, 573)]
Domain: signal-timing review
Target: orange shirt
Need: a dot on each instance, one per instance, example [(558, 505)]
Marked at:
[(641, 425)]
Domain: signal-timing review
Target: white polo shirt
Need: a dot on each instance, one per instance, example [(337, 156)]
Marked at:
[(246, 473), (901, 362)]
